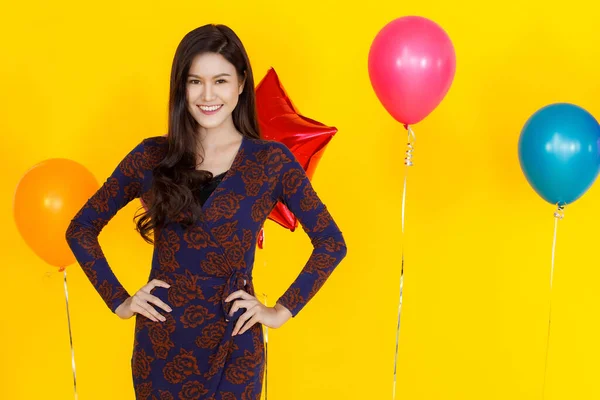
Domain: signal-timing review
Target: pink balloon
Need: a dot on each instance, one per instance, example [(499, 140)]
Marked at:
[(411, 65)]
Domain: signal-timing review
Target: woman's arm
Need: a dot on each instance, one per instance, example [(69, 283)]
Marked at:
[(123, 185), (329, 248)]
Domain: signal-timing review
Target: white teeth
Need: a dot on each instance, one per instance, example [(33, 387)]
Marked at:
[(211, 108)]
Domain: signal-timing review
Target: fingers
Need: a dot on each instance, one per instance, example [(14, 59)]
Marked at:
[(142, 300), (155, 300), (141, 307), (247, 304), (141, 311), (153, 312), (239, 294), (243, 318), (250, 323)]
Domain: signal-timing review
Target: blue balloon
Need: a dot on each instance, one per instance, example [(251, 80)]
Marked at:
[(559, 152)]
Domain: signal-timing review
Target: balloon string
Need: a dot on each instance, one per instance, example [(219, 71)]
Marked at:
[(266, 351), (70, 334), (558, 215), (408, 163), (266, 354), (409, 147)]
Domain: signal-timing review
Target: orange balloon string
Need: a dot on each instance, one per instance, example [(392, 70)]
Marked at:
[(70, 335)]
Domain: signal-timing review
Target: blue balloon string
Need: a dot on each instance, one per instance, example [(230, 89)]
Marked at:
[(558, 215)]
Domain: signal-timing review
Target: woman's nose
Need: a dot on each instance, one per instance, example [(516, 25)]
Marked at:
[(208, 93)]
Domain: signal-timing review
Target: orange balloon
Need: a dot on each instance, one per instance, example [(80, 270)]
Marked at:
[(47, 197)]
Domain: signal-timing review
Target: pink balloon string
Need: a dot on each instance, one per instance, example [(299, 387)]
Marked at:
[(408, 163)]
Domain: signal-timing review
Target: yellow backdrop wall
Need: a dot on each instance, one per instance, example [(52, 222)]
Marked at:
[(88, 81)]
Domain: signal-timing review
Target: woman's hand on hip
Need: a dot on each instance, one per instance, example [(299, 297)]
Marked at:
[(256, 312), (141, 303)]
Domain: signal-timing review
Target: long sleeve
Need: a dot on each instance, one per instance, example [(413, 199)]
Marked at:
[(329, 248), (123, 185)]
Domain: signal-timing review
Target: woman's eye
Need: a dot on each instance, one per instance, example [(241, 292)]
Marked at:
[(221, 81), (195, 81)]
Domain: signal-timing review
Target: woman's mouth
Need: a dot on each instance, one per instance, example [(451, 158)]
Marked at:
[(208, 110)]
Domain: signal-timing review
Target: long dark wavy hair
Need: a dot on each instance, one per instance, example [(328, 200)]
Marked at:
[(175, 178)]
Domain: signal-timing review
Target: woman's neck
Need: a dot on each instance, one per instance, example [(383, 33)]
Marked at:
[(218, 136)]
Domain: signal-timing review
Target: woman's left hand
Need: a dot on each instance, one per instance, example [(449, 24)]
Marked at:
[(273, 317)]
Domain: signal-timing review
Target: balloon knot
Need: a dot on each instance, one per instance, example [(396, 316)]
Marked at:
[(560, 211)]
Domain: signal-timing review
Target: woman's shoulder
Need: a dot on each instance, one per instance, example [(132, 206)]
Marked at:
[(156, 141), (269, 146), (152, 150), (274, 156)]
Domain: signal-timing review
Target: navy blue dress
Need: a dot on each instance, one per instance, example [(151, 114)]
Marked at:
[(192, 355)]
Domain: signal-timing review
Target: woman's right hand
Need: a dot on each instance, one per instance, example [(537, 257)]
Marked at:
[(140, 303)]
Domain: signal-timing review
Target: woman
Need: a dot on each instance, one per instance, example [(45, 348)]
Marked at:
[(208, 187)]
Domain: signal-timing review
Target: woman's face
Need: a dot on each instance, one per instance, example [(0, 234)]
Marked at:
[(213, 89)]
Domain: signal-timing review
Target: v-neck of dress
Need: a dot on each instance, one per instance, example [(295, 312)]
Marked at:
[(228, 173)]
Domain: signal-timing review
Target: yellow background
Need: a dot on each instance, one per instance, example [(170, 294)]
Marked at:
[(89, 81)]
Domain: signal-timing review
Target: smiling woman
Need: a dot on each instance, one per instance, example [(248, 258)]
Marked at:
[(209, 186)]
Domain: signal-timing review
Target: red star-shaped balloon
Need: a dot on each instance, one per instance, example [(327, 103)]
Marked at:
[(279, 120)]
